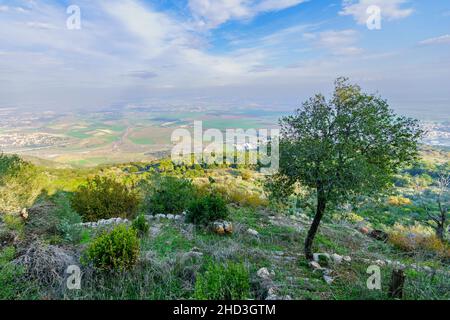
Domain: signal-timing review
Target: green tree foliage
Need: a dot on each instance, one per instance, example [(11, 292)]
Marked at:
[(205, 209), (115, 250), (349, 145), (103, 198), (20, 183), (168, 195)]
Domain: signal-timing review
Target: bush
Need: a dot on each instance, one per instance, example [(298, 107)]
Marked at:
[(223, 282), (12, 285), (399, 201), (206, 209), (141, 225), (169, 195), (20, 183), (104, 198), (418, 238), (114, 250)]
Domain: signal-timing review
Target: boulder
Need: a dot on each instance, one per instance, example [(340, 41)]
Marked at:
[(222, 227), (315, 265), (328, 279), (337, 259), (264, 274), (253, 232)]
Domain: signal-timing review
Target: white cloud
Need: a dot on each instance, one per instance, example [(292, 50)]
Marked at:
[(445, 39), (342, 42), (390, 9), (4, 8), (212, 13)]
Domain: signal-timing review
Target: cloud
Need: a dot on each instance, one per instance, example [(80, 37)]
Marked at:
[(445, 39), (212, 13), (4, 8), (342, 42), (390, 9)]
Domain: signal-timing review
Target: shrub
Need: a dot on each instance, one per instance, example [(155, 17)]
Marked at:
[(169, 195), (246, 175), (141, 225), (399, 201), (418, 238), (104, 198), (206, 209), (20, 183), (114, 250), (223, 282)]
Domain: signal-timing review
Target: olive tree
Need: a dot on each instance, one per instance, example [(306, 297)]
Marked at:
[(351, 144)]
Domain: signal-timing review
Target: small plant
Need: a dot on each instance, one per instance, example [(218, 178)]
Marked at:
[(206, 209), (169, 195), (104, 198), (399, 201), (141, 225), (223, 282), (115, 250)]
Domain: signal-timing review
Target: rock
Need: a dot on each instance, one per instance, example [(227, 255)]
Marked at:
[(380, 263), (264, 273), (178, 217), (218, 228), (24, 214), (337, 259), (315, 265), (222, 227), (253, 232), (228, 227), (170, 217), (328, 279), (160, 216), (322, 258), (364, 230), (347, 259)]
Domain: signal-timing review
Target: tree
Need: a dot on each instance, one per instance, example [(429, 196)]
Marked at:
[(349, 145), (437, 210)]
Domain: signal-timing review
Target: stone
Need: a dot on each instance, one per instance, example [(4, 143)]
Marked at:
[(264, 273), (253, 232), (222, 227), (347, 259), (328, 279), (218, 228), (337, 259), (380, 263), (364, 230), (170, 217), (161, 216), (228, 227), (315, 265), (323, 258), (24, 214)]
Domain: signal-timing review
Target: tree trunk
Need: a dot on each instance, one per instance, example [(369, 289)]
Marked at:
[(440, 230), (397, 284), (320, 210)]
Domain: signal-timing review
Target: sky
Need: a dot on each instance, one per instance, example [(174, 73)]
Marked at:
[(221, 53)]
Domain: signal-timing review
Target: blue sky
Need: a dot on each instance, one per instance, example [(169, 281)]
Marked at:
[(240, 53)]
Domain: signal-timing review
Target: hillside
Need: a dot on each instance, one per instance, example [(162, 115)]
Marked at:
[(257, 253)]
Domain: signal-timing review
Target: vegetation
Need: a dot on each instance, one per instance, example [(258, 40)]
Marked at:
[(168, 194), (351, 145), (206, 209), (51, 217), (115, 250), (103, 198), (223, 282)]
